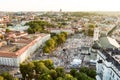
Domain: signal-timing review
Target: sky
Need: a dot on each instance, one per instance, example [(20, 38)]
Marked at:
[(56, 5)]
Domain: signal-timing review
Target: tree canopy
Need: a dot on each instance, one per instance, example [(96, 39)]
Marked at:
[(54, 41), (7, 76), (38, 26), (45, 70), (89, 29)]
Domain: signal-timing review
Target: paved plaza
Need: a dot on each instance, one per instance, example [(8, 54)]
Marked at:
[(64, 54), (69, 51)]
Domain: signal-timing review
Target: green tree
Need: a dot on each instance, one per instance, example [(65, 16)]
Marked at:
[(90, 29), (16, 79), (49, 63), (90, 72), (60, 78), (73, 72), (81, 76), (37, 66), (45, 77), (91, 25), (30, 69), (46, 49), (65, 34), (7, 76), (7, 30), (60, 72), (27, 69), (1, 78), (53, 74), (23, 69), (9, 24), (69, 77), (30, 31), (61, 39), (38, 26), (51, 43), (42, 68), (55, 38)]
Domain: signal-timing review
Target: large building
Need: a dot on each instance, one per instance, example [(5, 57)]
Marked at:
[(20, 48), (96, 34), (108, 59), (55, 30)]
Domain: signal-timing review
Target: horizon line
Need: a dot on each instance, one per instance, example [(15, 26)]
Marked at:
[(58, 11)]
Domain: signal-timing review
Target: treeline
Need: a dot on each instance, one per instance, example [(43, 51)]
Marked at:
[(7, 76), (38, 26), (89, 29), (82, 14), (55, 41), (45, 70)]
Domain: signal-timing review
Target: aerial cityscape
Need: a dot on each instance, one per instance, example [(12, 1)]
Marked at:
[(57, 40)]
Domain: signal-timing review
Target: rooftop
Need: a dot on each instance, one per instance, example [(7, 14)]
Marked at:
[(110, 48), (19, 45), (108, 42), (112, 55)]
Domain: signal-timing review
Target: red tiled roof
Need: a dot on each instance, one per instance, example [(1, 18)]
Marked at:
[(7, 54), (21, 51)]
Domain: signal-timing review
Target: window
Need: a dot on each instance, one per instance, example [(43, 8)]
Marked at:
[(110, 72), (113, 75), (102, 68)]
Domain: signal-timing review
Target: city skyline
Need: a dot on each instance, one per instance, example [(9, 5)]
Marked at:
[(56, 5)]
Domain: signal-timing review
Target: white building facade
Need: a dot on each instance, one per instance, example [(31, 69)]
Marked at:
[(14, 59), (107, 67), (68, 30), (96, 34)]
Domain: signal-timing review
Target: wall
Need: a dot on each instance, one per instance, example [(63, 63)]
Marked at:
[(106, 69), (31, 48)]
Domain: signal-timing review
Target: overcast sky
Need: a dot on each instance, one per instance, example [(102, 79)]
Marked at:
[(56, 5)]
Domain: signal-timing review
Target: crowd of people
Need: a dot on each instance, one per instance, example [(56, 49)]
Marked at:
[(63, 55), (67, 52)]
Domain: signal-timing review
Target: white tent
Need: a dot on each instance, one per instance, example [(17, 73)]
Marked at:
[(76, 62)]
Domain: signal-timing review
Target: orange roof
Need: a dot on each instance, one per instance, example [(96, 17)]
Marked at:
[(21, 51), (7, 54)]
